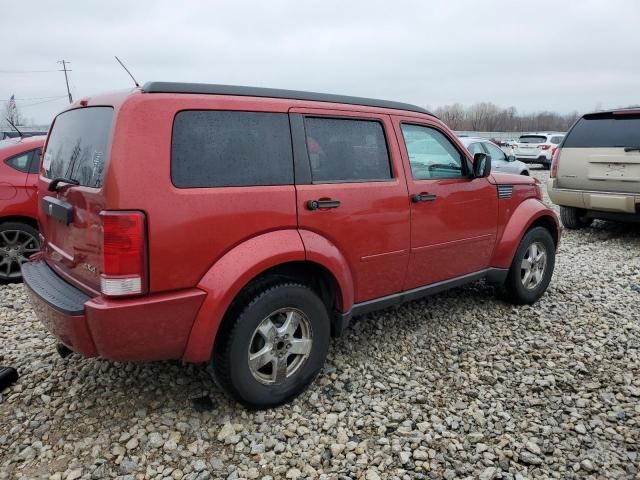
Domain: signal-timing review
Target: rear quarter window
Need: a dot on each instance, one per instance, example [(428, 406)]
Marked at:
[(231, 149), (604, 131), (77, 145), (21, 162)]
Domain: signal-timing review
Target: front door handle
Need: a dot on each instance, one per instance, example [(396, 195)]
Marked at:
[(423, 197), (316, 204)]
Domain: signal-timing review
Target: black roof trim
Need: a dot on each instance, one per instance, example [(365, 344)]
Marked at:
[(211, 89)]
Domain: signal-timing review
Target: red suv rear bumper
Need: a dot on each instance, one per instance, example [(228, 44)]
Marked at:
[(153, 327)]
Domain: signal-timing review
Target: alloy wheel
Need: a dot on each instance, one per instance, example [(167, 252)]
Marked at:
[(16, 246), (533, 266), (280, 345)]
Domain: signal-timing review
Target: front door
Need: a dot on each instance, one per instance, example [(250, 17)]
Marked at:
[(453, 216), (351, 190)]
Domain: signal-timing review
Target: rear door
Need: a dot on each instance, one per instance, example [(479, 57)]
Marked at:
[(453, 217), (77, 149), (351, 190), (602, 153), (528, 146)]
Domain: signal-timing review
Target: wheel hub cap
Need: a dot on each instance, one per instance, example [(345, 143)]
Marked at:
[(280, 345), (534, 264), (16, 246)]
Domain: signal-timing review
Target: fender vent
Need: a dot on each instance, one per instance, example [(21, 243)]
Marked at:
[(505, 191)]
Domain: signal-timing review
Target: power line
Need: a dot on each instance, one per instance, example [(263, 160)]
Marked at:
[(66, 77), (26, 71), (39, 98), (43, 101)]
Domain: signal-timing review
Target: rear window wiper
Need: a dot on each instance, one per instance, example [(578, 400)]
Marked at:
[(632, 149), (53, 186)]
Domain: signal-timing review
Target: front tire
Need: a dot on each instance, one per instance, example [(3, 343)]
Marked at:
[(276, 345), (18, 241), (573, 219), (532, 267)]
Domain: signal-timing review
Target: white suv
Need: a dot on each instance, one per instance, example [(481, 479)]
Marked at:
[(537, 147)]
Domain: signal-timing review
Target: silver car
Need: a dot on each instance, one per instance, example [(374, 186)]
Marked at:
[(500, 161)]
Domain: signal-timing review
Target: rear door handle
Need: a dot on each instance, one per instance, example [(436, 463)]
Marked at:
[(423, 197), (316, 204)]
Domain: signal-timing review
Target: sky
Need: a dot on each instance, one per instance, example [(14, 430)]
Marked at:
[(562, 55)]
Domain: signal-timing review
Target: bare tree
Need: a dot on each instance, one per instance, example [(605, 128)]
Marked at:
[(12, 112), (488, 117), (452, 115)]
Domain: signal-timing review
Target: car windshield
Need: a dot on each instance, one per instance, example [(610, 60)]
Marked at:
[(532, 139)]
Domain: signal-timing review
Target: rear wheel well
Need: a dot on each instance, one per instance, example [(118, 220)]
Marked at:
[(20, 219), (547, 222), (311, 274)]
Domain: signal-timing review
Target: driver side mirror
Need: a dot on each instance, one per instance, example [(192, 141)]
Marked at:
[(481, 165), (511, 158)]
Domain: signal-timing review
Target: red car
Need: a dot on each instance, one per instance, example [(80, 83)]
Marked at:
[(19, 238), (245, 226)]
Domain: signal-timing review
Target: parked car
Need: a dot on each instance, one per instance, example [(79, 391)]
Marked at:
[(537, 147), (500, 161), (596, 171), (19, 237), (246, 226)]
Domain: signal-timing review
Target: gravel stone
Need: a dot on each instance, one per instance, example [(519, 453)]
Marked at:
[(458, 385)]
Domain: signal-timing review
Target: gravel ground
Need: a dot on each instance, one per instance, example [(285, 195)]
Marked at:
[(458, 385)]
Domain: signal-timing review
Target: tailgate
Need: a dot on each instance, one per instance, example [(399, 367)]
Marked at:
[(602, 153), (599, 169), (76, 151)]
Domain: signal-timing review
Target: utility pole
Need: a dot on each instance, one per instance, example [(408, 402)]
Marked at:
[(66, 78)]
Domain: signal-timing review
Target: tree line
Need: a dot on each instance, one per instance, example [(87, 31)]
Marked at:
[(488, 117)]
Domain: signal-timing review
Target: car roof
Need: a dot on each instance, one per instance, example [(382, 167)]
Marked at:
[(469, 140), (234, 90), (616, 111), (25, 141), (548, 134)]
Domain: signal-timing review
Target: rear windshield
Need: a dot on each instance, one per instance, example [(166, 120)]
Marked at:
[(605, 130), (77, 146), (532, 139)]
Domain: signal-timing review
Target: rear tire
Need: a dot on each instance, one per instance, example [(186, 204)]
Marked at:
[(525, 173), (532, 267), (18, 241), (573, 219), (269, 352)]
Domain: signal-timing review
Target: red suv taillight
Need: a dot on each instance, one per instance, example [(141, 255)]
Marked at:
[(555, 161), (544, 146), (124, 251)]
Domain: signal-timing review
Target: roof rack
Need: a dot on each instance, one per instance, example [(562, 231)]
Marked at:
[(212, 89)]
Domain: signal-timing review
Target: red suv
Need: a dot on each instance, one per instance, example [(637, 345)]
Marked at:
[(19, 238), (246, 226)]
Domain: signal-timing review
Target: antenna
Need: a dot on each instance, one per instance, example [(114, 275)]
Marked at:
[(127, 70), (14, 127)]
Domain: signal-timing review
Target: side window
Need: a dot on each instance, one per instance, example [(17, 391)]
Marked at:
[(231, 149), (343, 150), (431, 154), (475, 148), (495, 152), (20, 162), (556, 140), (34, 167)]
